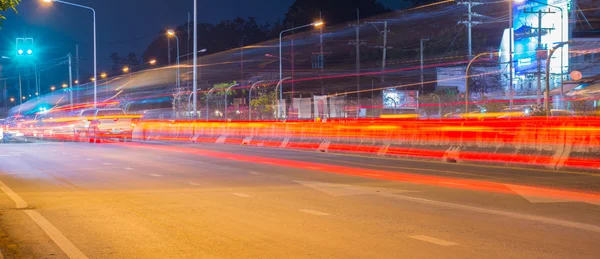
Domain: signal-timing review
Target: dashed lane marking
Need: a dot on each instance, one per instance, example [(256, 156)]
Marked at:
[(128, 168), (243, 195), (253, 173), (156, 175), (433, 240), (106, 163), (195, 184), (315, 212)]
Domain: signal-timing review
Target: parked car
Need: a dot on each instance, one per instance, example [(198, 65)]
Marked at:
[(98, 124)]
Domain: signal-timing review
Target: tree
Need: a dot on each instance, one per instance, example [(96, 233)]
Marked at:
[(131, 59), (225, 35), (264, 105), (307, 11), (5, 5), (117, 66)]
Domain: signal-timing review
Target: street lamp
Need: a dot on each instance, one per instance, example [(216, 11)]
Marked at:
[(12, 99), (125, 69), (64, 85), (52, 88), (93, 80), (171, 33), (94, 19), (314, 24), (467, 76), (76, 82), (152, 62), (547, 94)]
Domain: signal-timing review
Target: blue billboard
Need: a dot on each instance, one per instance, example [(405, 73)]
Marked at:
[(532, 43)]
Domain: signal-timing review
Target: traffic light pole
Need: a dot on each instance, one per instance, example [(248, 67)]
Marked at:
[(70, 81)]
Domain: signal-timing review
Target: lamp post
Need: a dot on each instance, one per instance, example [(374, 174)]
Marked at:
[(314, 24), (439, 105), (94, 18), (250, 99), (467, 77), (195, 62), (280, 86), (226, 93), (171, 33), (510, 51), (547, 94)]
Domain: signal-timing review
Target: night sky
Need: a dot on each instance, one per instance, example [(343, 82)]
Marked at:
[(123, 26)]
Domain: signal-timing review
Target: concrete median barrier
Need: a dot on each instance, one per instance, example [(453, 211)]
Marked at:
[(554, 144)]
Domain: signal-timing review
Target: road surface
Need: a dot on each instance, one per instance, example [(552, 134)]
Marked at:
[(189, 200)]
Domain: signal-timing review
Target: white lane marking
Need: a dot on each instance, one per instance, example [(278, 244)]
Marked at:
[(129, 168), (253, 173), (106, 163), (156, 175), (89, 159), (193, 183), (315, 212), (453, 183), (243, 195), (59, 239), (13, 196), (74, 156), (63, 153), (433, 240), (53, 150)]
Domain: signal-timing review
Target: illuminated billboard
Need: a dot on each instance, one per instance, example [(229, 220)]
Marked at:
[(528, 37), (396, 99)]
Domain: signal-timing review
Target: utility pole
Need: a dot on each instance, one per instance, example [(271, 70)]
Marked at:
[(195, 76), (423, 40), (384, 33), (357, 54), (540, 51), (70, 81), (470, 23), (357, 43), (77, 69), (321, 53)]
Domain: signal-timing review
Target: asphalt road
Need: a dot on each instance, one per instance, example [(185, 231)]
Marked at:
[(216, 201)]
